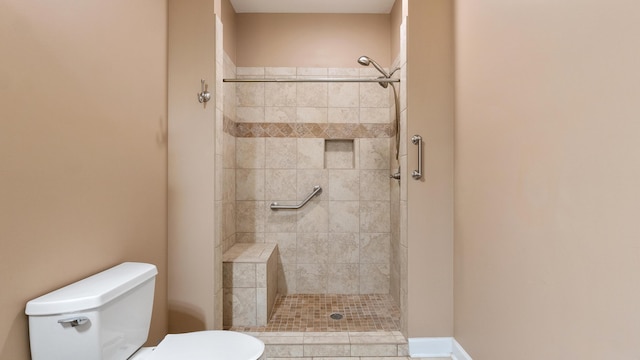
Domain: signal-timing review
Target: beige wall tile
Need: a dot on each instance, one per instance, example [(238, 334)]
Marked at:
[(229, 185), (287, 278), (374, 115), (261, 306), (374, 154), (344, 185), (374, 248), (317, 115), (261, 275), (250, 153), (311, 95), (272, 282), (219, 132), (250, 114), (239, 306), (313, 217), (343, 115), (374, 278), (250, 94), (281, 153), (311, 278), (280, 114), (312, 248), (343, 279), (280, 185), (343, 248), (344, 95), (250, 184), (280, 221), (239, 275), (375, 185), (310, 154), (228, 218), (286, 246), (250, 216), (280, 94), (374, 217), (229, 151), (344, 216), (373, 95)]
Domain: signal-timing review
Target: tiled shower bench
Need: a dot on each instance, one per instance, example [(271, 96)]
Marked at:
[(250, 284)]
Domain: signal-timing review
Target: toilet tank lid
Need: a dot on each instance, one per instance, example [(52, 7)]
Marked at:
[(92, 292)]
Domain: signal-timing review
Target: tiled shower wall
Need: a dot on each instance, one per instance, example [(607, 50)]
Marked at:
[(292, 136), (227, 177)]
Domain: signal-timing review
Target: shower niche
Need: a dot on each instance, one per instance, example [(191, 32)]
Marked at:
[(339, 154)]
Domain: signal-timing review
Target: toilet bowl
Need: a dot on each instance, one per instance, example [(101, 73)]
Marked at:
[(204, 345), (107, 316)]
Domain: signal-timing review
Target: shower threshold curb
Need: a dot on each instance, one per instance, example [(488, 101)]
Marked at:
[(333, 344)]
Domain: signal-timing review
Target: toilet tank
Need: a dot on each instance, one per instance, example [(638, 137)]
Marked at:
[(103, 317)]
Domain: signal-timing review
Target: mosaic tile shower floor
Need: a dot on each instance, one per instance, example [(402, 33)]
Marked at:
[(311, 312)]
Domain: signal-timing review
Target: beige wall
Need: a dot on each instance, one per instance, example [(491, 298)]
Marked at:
[(192, 160), (395, 18), (547, 176), (82, 150), (430, 113), (311, 40), (229, 21)]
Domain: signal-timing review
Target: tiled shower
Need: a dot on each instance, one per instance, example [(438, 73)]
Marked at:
[(280, 140)]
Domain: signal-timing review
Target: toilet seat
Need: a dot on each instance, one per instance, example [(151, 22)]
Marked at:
[(208, 345)]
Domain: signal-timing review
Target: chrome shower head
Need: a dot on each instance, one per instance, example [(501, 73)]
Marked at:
[(366, 61)]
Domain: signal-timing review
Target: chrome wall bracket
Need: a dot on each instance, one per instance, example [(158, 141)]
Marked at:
[(204, 95)]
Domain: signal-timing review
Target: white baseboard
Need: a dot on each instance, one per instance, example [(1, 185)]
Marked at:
[(458, 352), (437, 347)]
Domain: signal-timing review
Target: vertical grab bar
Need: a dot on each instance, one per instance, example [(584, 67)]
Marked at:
[(417, 140)]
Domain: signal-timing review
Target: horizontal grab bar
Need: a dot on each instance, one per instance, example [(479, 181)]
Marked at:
[(316, 190)]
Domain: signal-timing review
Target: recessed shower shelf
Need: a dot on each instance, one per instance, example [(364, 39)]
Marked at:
[(314, 80)]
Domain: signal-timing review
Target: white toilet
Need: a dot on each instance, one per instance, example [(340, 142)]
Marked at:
[(107, 316)]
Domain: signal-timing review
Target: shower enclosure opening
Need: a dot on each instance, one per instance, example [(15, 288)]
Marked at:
[(287, 130)]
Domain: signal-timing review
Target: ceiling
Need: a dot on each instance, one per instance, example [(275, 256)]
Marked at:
[(313, 6)]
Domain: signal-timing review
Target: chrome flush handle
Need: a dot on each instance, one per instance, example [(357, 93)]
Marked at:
[(74, 321)]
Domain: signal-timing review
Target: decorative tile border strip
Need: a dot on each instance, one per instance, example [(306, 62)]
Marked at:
[(308, 130)]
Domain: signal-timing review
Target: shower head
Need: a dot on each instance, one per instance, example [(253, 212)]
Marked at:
[(366, 61)]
